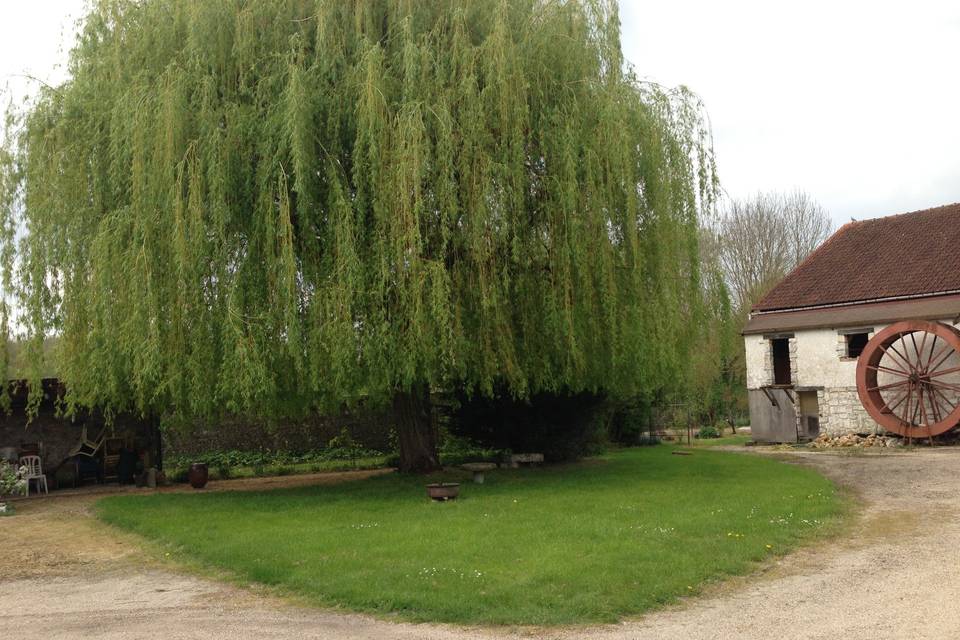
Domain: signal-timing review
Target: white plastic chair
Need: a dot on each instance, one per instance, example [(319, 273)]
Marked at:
[(34, 472)]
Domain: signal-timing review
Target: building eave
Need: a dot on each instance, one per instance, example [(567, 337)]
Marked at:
[(838, 316)]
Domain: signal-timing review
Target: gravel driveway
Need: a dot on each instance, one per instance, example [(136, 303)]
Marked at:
[(894, 574)]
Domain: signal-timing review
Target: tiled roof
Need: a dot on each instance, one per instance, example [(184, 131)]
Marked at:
[(909, 254)]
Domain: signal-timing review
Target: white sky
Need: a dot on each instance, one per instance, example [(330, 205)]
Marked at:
[(856, 102)]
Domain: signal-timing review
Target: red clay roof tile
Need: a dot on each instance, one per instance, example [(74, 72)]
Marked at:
[(904, 255)]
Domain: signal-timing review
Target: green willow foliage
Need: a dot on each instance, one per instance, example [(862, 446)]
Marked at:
[(279, 205)]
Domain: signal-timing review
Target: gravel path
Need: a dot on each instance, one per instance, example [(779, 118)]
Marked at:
[(895, 574)]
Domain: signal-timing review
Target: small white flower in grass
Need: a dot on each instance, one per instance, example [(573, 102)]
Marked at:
[(433, 572)]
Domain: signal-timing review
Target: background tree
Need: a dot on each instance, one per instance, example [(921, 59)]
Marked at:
[(281, 206), (750, 247), (716, 391), (762, 238)]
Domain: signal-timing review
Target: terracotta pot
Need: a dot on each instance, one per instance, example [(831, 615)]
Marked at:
[(198, 475), (443, 491)]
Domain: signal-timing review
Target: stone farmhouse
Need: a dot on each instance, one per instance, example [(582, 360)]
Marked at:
[(804, 337)]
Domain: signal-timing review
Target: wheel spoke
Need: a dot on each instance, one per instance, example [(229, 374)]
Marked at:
[(944, 385), (934, 405), (890, 408), (933, 351), (944, 372), (926, 418), (889, 386), (896, 372), (945, 357), (915, 416), (916, 350), (906, 409), (901, 359), (923, 409), (950, 405), (920, 351)]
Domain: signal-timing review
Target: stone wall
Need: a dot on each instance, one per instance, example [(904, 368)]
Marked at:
[(842, 412), (370, 428), (57, 436)]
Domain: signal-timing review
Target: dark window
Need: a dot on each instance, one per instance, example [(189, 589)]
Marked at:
[(781, 360), (855, 344)]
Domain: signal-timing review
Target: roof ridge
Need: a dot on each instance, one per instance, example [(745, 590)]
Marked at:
[(905, 213)]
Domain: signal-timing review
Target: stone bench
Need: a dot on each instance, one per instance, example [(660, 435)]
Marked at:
[(529, 459), (478, 469)]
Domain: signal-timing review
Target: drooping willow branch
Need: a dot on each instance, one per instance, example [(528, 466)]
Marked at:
[(277, 205)]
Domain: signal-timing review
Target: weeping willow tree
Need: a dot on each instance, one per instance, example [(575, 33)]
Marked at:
[(283, 206)]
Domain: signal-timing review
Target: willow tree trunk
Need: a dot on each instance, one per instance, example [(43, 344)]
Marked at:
[(415, 430)]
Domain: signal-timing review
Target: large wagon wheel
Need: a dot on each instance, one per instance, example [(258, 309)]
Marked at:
[(908, 378)]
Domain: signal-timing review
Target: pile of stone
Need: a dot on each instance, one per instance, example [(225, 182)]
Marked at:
[(824, 441)]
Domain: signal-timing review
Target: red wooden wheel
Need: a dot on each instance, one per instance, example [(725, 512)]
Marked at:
[(908, 378)]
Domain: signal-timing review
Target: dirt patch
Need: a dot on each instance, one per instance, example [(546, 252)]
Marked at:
[(890, 574), (57, 536)]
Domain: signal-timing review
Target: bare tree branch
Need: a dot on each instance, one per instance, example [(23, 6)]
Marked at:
[(759, 240)]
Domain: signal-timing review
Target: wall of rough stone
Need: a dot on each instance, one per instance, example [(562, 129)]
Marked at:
[(842, 412), (369, 427), (57, 436)]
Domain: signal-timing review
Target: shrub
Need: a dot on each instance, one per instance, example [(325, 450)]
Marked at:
[(11, 483), (341, 447), (223, 471), (180, 474), (708, 432), (561, 426), (457, 450), (630, 421)]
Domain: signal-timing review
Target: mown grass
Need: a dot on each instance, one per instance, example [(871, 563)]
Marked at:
[(722, 441), (589, 542)]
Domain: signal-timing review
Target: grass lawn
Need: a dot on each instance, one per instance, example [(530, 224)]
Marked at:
[(589, 542), (723, 441)]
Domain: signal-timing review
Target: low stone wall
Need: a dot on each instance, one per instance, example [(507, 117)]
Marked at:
[(57, 436), (370, 428)]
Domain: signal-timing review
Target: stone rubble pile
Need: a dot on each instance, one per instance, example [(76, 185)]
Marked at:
[(824, 441)]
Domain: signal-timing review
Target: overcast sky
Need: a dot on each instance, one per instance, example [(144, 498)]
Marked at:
[(857, 103)]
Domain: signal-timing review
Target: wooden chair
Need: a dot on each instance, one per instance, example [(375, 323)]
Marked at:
[(111, 458), (34, 472)]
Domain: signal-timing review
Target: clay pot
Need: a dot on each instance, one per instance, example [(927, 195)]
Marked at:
[(443, 491), (198, 475)]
